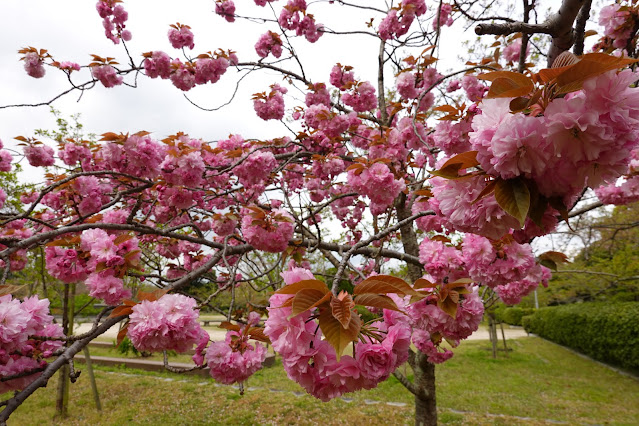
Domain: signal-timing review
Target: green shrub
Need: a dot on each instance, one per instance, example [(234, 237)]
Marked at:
[(512, 315), (608, 332)]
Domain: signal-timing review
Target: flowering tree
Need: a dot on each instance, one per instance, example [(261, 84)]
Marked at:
[(451, 174)]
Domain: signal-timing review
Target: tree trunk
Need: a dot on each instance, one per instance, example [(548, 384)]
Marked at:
[(424, 371), (426, 401), (492, 332), (62, 397)]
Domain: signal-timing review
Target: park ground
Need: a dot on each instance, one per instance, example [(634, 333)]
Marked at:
[(535, 383)]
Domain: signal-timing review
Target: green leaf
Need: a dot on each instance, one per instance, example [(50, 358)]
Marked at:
[(513, 196)]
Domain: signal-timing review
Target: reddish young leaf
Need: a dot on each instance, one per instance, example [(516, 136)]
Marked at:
[(461, 281), (151, 296), (465, 160), (122, 333), (10, 288), (513, 196), (376, 301), (446, 108), (449, 306), (300, 285), (122, 238), (336, 335), (121, 310), (565, 59), (423, 283), (551, 259), (229, 326), (308, 298), (449, 172), (507, 84), (382, 284), (257, 333), (488, 189), (342, 308), (287, 303), (590, 65)]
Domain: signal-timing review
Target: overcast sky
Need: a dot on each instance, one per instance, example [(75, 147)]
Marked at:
[(72, 29)]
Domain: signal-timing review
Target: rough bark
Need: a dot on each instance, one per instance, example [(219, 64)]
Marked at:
[(424, 371), (558, 25), (426, 403)]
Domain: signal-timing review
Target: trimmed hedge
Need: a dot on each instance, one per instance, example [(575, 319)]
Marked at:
[(608, 332), (512, 315)]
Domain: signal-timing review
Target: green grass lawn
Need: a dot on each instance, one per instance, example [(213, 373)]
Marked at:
[(538, 383)]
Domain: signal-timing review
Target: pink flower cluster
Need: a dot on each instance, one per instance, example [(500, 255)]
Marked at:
[(169, 323), (256, 168), (114, 257), (5, 159), (618, 24), (430, 324), (271, 107), (294, 17), (311, 361), (33, 65), (625, 193), (185, 76), (270, 234), (157, 64), (39, 155), (318, 94), (113, 19), (582, 139), (378, 183), (139, 156), (65, 264), (512, 293), (499, 263), (226, 9), (71, 153), (512, 52), (269, 42), (234, 360), (362, 98), (18, 353), (443, 16), (341, 77), (15, 229), (107, 75), (454, 200), (443, 263), (394, 25), (475, 89), (181, 36), (330, 124), (452, 137)]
